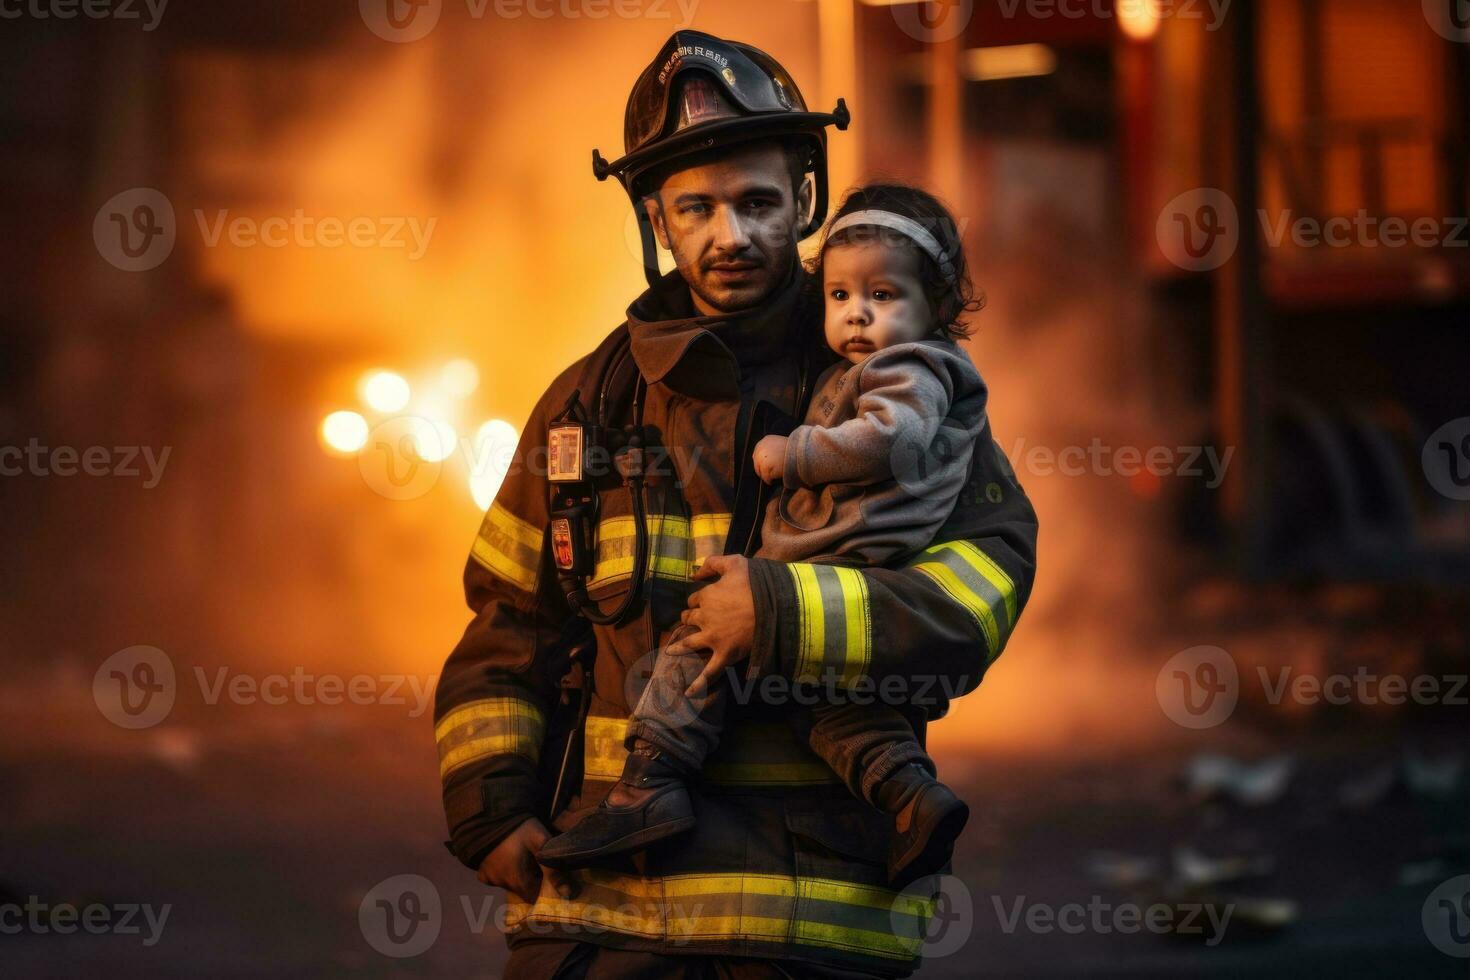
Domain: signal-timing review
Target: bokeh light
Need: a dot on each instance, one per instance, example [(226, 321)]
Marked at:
[(1139, 18), (435, 441), (384, 391), (344, 432), (494, 448)]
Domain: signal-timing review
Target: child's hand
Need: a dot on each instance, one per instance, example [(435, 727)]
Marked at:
[(770, 458)]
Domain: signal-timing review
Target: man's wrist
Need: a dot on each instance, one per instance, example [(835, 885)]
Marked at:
[(474, 841), (768, 582)]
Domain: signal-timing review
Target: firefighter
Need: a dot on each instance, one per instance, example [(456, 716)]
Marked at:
[(629, 509)]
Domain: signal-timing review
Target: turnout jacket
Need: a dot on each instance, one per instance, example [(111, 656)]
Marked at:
[(783, 862)]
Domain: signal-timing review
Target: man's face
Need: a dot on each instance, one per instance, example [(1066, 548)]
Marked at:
[(731, 226)]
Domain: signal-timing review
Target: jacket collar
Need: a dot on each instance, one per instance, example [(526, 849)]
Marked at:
[(674, 344)]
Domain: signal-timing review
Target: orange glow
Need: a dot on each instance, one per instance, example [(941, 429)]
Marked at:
[(460, 377)]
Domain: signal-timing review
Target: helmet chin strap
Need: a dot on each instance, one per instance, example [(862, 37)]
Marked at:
[(650, 247)]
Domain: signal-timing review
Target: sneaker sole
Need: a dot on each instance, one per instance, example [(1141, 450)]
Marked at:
[(627, 844)]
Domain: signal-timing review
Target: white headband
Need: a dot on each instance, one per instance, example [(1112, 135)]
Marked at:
[(905, 226)]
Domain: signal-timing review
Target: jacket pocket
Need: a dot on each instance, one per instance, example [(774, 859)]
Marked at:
[(843, 839)]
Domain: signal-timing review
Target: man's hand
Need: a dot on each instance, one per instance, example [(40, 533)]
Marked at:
[(723, 612), (512, 865), (770, 458)]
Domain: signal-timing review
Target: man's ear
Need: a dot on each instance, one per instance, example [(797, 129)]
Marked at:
[(804, 204), (655, 212)]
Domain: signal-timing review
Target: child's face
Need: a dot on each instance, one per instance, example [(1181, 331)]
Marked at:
[(874, 297)]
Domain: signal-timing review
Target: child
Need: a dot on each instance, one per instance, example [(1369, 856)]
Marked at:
[(868, 480)]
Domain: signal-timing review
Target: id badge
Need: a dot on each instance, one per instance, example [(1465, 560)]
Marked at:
[(564, 454)]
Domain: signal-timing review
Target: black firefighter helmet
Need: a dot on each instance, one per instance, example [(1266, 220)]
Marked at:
[(700, 93)]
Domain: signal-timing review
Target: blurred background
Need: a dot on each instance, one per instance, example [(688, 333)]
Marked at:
[(283, 280)]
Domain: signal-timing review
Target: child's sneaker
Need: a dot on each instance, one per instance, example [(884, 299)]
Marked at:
[(928, 818), (661, 809)]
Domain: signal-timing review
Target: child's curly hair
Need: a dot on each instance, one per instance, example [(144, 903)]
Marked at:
[(950, 299)]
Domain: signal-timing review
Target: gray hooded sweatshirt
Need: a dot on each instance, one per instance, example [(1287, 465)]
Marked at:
[(879, 464)]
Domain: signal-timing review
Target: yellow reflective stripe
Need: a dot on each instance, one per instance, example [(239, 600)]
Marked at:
[(787, 909), (677, 545), (973, 579), (708, 532), (993, 573), (749, 755), (508, 547), (834, 623), (955, 589), (488, 727), (858, 652), (810, 643), (617, 539)]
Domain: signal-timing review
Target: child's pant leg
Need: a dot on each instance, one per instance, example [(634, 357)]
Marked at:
[(863, 743), (686, 728)]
